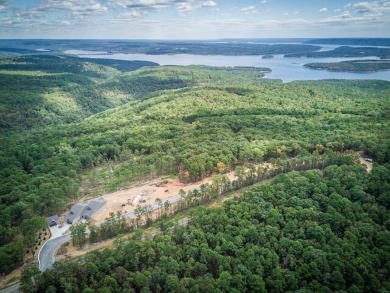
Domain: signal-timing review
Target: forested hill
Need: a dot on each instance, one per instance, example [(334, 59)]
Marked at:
[(41, 90), (307, 231), (182, 121)]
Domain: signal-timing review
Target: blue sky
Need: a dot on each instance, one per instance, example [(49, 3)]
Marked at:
[(193, 19)]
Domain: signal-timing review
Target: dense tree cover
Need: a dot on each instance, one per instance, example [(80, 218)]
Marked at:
[(36, 91), (45, 90), (210, 117), (157, 47), (352, 66), (309, 231), (346, 51)]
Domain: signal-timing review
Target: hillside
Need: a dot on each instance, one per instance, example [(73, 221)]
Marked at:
[(42, 90), (183, 121)]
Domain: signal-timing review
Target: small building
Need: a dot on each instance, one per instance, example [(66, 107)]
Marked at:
[(75, 213), (92, 207), (52, 221)]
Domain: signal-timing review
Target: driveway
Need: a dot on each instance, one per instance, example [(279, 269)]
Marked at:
[(56, 231), (46, 256), (48, 250)]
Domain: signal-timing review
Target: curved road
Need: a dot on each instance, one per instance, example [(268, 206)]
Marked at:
[(46, 256), (48, 250)]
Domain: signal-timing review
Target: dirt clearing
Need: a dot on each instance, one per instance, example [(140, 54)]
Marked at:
[(145, 194)]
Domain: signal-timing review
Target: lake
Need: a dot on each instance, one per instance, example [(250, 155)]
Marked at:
[(286, 69)]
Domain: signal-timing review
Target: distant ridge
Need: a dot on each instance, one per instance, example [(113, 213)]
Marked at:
[(352, 41)]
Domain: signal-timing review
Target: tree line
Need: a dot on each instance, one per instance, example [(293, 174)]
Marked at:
[(251, 174)]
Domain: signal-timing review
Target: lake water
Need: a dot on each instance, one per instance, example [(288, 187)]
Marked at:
[(286, 69)]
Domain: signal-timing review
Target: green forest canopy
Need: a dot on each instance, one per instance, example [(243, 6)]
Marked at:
[(174, 120), (307, 231), (352, 66)]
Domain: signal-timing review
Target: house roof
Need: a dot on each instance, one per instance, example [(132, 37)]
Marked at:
[(51, 219), (93, 206), (75, 212)]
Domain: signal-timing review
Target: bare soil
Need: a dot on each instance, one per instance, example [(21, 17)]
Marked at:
[(11, 277), (159, 188), (367, 164), (73, 251)]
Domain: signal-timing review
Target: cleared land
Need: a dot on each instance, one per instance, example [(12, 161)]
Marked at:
[(159, 188)]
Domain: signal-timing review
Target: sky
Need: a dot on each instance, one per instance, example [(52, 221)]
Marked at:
[(193, 19)]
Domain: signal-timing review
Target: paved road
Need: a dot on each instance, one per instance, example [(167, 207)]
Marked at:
[(46, 256), (48, 250)]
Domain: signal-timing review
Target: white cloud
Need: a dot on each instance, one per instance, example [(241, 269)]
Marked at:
[(208, 4), (364, 7), (376, 7), (75, 6), (263, 1), (175, 28), (180, 5), (115, 17), (184, 7), (342, 16), (295, 13), (249, 9), (3, 5), (131, 14), (142, 4)]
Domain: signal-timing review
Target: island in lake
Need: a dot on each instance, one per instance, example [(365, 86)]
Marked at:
[(352, 66)]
